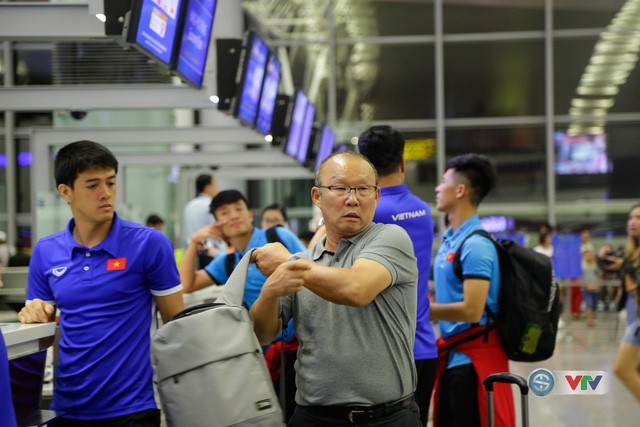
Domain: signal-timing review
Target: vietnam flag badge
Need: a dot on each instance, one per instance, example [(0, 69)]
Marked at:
[(450, 256), (116, 264)]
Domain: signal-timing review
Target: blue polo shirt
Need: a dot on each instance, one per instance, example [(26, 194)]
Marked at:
[(479, 259), (104, 295), (399, 206), (7, 415), (255, 279)]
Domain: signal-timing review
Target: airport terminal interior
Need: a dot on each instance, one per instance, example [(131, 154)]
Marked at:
[(548, 89)]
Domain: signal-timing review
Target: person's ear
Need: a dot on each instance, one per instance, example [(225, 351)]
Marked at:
[(315, 196), (65, 192)]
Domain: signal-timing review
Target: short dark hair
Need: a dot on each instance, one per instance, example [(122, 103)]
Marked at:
[(383, 146), (478, 171), (154, 219), (202, 181), (276, 207), (79, 156), (226, 197)]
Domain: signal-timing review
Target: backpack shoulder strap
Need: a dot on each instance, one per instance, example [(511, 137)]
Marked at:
[(457, 264), (230, 260), (230, 263), (272, 235)]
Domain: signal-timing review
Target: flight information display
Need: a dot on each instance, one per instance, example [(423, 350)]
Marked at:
[(155, 25), (194, 42), (251, 82), (269, 93)]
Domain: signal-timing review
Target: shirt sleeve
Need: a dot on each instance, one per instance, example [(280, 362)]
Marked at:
[(478, 257), (217, 269), (391, 246), (37, 282), (161, 269)]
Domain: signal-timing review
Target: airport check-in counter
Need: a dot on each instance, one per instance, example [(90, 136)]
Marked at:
[(26, 350), (13, 293)]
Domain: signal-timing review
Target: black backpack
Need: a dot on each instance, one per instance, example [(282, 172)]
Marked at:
[(230, 260), (528, 303)]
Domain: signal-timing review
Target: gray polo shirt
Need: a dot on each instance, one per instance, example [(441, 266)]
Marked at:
[(358, 355)]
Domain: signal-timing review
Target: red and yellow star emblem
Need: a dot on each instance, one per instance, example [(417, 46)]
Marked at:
[(116, 264)]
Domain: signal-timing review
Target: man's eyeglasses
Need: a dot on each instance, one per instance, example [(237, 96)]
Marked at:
[(342, 190)]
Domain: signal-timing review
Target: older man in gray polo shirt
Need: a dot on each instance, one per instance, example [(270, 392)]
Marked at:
[(353, 300)]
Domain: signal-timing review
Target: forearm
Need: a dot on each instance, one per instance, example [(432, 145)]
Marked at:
[(265, 313), (187, 268), (356, 286), (454, 312)]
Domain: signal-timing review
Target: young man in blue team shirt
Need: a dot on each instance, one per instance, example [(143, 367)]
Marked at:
[(234, 224), (459, 396), (103, 273), (384, 147)]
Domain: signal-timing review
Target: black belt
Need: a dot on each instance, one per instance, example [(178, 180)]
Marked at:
[(361, 414)]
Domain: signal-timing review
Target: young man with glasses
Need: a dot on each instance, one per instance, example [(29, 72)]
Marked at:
[(353, 298)]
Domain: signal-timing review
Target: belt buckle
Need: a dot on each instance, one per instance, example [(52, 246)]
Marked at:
[(354, 412)]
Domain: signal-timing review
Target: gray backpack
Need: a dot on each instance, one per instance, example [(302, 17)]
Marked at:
[(209, 367)]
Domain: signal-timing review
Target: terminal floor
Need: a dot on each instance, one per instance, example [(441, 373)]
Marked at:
[(581, 348)]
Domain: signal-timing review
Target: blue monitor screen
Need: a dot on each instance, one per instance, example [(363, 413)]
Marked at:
[(305, 133), (251, 81), (194, 43), (582, 154), (268, 96), (156, 27), (327, 138), (297, 122)]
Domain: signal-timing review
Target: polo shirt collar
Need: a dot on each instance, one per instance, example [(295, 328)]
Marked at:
[(110, 244), (467, 227), (394, 189), (319, 248)]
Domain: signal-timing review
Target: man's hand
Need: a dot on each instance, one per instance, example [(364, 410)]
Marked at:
[(213, 231), (36, 311), (269, 257), (287, 279)]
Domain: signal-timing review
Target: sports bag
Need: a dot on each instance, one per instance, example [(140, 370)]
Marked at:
[(528, 303), (209, 367)]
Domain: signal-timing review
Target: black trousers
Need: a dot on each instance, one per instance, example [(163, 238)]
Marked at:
[(458, 405), (426, 378), (406, 417), (148, 418)]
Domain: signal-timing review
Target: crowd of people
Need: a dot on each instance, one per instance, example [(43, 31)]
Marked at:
[(355, 298)]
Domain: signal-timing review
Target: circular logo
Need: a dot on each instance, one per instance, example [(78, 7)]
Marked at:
[(541, 382)]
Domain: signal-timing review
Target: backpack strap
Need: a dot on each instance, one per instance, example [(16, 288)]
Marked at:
[(230, 260), (272, 235), (457, 270), (230, 263), (457, 263)]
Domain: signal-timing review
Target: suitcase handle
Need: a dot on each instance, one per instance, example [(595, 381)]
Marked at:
[(506, 377)]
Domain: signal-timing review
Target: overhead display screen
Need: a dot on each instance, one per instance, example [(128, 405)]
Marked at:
[(297, 122), (194, 42), (305, 133), (155, 25), (327, 138), (250, 84), (269, 93)]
